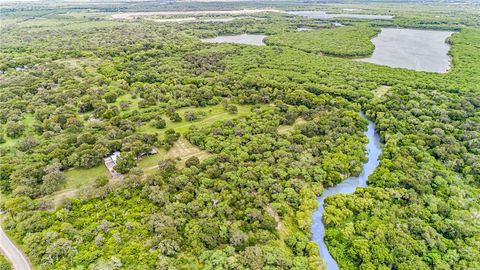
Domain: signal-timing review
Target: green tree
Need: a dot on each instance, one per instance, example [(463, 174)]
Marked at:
[(125, 162), (192, 161)]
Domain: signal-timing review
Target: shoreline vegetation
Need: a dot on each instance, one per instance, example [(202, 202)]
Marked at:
[(247, 138)]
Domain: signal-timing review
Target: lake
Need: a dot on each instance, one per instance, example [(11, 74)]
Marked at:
[(348, 186), (324, 15), (421, 50), (240, 39)]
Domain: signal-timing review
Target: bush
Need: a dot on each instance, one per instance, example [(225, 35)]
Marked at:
[(190, 116), (4, 264), (192, 161), (175, 117), (100, 181), (159, 123)]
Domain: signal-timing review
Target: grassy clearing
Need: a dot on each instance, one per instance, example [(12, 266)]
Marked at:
[(128, 98), (28, 121), (81, 177), (9, 142), (214, 113), (381, 90), (285, 129), (181, 151)]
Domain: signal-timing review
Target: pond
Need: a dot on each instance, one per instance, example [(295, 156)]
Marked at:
[(421, 50), (240, 39), (348, 186), (324, 15)]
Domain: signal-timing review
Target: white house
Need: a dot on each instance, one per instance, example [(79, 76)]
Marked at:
[(110, 162)]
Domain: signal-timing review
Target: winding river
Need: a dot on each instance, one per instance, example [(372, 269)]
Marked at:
[(348, 186)]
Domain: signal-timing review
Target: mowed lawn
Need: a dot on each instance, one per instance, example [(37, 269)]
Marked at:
[(76, 178)]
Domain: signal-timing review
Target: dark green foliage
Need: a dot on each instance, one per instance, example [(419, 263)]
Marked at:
[(15, 129), (159, 123), (231, 109), (190, 116), (125, 162), (349, 41), (5, 264), (170, 138), (175, 117), (193, 161)]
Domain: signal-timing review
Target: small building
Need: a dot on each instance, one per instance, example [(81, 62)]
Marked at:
[(110, 162)]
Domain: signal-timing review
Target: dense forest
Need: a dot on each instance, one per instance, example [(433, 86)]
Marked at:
[(245, 139)]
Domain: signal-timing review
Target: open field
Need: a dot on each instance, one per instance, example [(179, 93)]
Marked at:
[(80, 177), (214, 113), (381, 90), (181, 151)]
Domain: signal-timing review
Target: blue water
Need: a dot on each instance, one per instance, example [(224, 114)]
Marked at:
[(348, 186)]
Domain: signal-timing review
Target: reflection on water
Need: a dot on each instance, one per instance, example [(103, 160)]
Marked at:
[(348, 186), (421, 50), (241, 39)]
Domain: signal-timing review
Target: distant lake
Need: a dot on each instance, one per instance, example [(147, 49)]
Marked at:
[(241, 39), (421, 50), (324, 15)]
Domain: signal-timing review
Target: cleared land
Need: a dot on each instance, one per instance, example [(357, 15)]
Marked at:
[(214, 113), (382, 90), (285, 129), (181, 151)]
